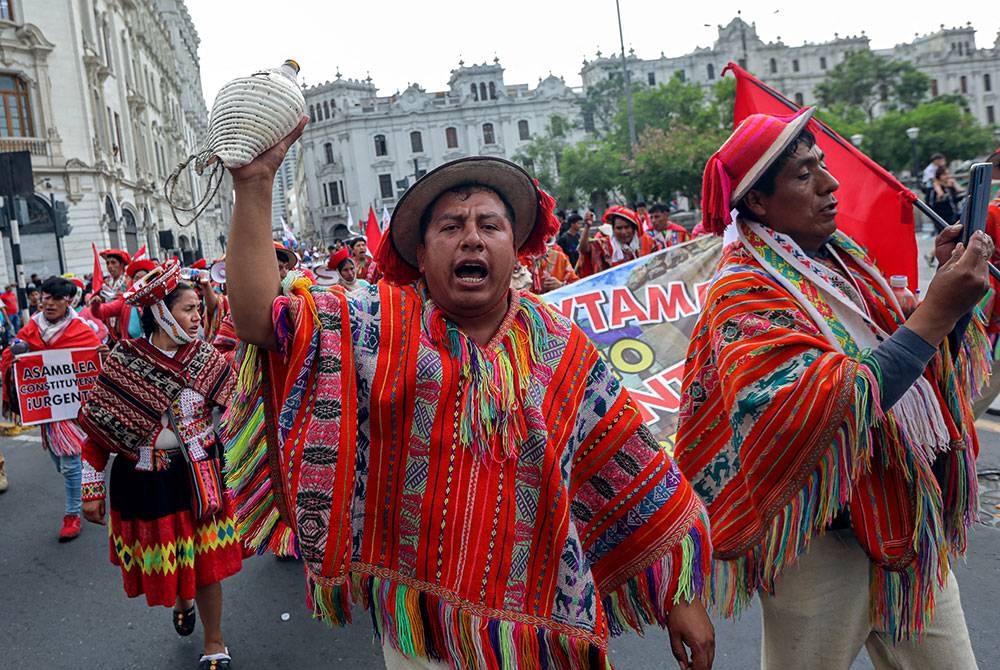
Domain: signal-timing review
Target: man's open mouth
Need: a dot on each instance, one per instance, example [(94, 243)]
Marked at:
[(471, 272)]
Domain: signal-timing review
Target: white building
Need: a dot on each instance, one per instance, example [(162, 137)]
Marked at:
[(106, 96), (362, 150), (949, 57)]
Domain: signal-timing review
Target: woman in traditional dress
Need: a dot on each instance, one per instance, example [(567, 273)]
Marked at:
[(172, 528)]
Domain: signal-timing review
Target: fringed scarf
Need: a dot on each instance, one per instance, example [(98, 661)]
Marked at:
[(498, 506), (782, 354)]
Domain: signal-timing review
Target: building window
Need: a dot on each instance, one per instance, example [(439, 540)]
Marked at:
[(326, 195), (16, 119), (106, 35), (934, 88), (795, 65), (482, 91), (475, 92), (334, 193), (109, 212), (385, 185), (963, 84), (682, 75), (312, 113), (710, 71), (328, 152), (822, 62), (990, 114), (522, 130), (118, 134), (742, 62), (798, 99), (772, 66), (651, 78), (987, 83), (493, 91), (416, 142), (380, 146), (5, 13), (451, 137), (488, 137)]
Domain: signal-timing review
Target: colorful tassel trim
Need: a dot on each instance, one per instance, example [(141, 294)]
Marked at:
[(248, 469), (809, 512), (680, 574), (493, 422)]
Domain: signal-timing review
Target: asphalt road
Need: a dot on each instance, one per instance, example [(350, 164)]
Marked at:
[(62, 606)]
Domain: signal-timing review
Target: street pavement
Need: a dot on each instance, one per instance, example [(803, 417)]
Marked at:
[(62, 606)]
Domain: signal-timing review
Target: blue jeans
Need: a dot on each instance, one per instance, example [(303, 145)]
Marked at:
[(71, 468)]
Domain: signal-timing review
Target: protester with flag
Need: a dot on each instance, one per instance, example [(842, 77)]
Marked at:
[(172, 528), (56, 326), (453, 454), (831, 437), (624, 243)]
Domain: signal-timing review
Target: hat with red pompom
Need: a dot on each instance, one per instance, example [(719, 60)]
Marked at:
[(733, 170), (534, 220)]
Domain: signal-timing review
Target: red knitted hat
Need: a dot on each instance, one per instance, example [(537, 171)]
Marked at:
[(752, 148), (337, 258)]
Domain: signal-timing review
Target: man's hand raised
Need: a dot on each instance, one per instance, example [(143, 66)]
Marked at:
[(265, 166)]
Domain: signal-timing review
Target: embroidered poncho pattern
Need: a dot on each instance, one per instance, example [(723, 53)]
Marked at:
[(501, 502), (781, 429)]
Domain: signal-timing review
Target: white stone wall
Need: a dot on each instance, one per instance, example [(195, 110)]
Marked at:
[(150, 80), (360, 115)]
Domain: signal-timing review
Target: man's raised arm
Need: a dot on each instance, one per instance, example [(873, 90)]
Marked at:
[(251, 266)]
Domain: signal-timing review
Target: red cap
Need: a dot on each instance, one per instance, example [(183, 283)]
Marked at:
[(337, 258), (120, 254), (135, 267), (622, 212), (200, 264)]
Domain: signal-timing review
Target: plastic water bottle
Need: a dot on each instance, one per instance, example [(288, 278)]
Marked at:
[(907, 301)]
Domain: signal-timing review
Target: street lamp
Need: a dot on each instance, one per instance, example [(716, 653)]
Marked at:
[(913, 132), (857, 139)]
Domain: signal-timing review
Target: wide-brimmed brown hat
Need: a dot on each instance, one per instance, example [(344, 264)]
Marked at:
[(506, 178)]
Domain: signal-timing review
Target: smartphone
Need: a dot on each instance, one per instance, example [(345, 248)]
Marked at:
[(976, 201)]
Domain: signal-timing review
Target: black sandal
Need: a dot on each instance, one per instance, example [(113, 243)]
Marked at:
[(184, 621), (217, 662)]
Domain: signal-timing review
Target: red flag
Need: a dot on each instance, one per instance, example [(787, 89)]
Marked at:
[(874, 208), (141, 254), (373, 233), (97, 281)]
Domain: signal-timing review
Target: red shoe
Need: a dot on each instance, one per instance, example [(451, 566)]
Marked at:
[(70, 528)]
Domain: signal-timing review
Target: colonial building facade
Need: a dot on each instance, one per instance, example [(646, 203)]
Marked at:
[(362, 150), (106, 96), (948, 56)]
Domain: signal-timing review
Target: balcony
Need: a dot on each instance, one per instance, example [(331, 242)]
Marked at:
[(37, 147)]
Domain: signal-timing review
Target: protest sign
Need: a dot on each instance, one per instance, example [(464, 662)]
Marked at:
[(51, 384), (640, 315)]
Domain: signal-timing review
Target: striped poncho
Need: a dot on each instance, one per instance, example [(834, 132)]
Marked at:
[(498, 506), (780, 429)]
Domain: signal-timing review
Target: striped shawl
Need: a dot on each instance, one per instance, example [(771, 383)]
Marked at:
[(780, 431)]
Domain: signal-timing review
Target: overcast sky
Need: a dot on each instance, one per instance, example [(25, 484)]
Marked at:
[(402, 42)]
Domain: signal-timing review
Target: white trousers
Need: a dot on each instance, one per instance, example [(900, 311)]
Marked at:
[(818, 617)]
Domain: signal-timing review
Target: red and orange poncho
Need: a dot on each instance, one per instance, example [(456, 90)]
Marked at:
[(501, 502)]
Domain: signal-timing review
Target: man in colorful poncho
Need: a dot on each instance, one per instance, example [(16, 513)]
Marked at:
[(625, 243), (832, 441), (449, 452)]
